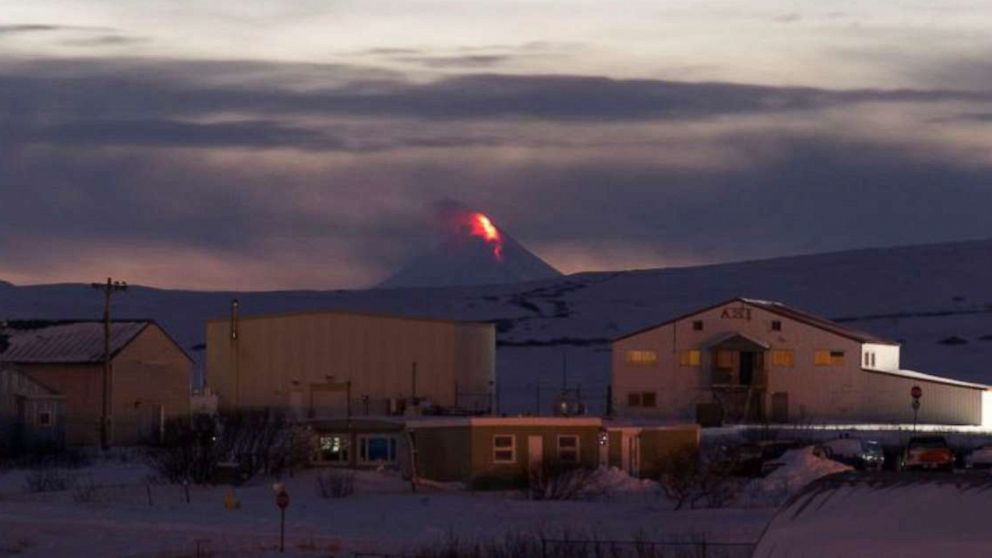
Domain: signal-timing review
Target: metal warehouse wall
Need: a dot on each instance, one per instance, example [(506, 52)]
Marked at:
[(887, 399), (277, 359)]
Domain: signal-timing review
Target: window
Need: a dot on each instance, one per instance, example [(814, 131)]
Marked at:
[(724, 359), (641, 358), (873, 360), (697, 325), (776, 325), (504, 448), (333, 449), (828, 358), (689, 358), (377, 449), (43, 419), (784, 358), (642, 399), (836, 358), (568, 448)]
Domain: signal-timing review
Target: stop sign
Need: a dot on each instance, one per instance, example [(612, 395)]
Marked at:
[(916, 392), (282, 499)]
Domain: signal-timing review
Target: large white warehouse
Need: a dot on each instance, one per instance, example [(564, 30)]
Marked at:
[(754, 360)]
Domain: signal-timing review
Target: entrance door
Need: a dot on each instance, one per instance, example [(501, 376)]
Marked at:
[(535, 456), (780, 407), (747, 368)]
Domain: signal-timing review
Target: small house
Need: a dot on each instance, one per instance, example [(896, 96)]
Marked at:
[(32, 415)]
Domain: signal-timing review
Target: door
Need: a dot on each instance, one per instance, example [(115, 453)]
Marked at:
[(747, 368), (535, 456), (780, 407), (635, 456)]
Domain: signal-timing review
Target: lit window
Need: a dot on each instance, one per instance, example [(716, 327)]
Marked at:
[(377, 449), (697, 325), (776, 325), (333, 449), (642, 358), (568, 448), (781, 357), (836, 358), (828, 358), (724, 359), (689, 358), (504, 448), (821, 358)]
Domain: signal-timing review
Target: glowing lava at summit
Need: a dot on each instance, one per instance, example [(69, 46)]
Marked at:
[(484, 228)]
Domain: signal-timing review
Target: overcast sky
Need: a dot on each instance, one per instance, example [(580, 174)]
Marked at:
[(302, 144)]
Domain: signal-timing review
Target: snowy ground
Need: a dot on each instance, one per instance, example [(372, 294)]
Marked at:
[(383, 515)]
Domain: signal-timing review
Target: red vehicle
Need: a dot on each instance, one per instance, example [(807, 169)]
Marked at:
[(929, 453)]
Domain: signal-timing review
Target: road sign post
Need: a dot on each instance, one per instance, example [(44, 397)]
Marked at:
[(916, 392), (282, 502)]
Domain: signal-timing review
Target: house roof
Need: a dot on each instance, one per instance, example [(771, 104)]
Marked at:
[(784, 311), (71, 342), (243, 317), (737, 338)]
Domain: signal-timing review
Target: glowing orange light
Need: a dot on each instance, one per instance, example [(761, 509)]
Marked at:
[(483, 227)]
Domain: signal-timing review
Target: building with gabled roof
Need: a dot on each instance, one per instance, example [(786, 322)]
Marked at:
[(150, 374), (749, 360)]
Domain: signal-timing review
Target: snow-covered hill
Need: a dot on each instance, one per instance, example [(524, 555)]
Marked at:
[(936, 299)]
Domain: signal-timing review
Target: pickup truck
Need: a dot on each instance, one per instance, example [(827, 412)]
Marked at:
[(927, 453)]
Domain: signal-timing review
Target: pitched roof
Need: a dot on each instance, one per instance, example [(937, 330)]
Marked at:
[(68, 342), (784, 311), (913, 375)]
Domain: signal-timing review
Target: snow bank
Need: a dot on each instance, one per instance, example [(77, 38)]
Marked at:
[(794, 470), (612, 481)]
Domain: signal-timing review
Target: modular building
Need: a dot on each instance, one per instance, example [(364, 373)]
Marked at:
[(149, 381), (491, 452), (747, 360), (319, 365)]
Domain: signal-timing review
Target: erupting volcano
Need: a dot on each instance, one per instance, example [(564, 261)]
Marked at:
[(470, 250)]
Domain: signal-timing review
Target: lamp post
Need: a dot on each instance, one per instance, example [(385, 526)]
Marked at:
[(108, 288)]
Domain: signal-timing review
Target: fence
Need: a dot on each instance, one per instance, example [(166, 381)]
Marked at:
[(581, 548)]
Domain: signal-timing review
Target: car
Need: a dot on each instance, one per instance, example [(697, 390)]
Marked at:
[(927, 453), (858, 453), (979, 458)]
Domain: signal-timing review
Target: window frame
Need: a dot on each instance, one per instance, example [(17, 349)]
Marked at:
[(577, 449), (825, 360), (345, 449), (49, 423), (634, 399), (690, 358), (512, 448), (391, 449), (632, 357), (649, 395), (697, 325), (788, 362), (776, 325)]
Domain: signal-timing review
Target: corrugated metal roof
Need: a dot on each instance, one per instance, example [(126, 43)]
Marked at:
[(79, 342), (914, 375)]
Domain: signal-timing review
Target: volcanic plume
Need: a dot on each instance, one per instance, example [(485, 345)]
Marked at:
[(470, 250)]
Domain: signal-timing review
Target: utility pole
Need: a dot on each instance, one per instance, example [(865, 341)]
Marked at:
[(108, 288)]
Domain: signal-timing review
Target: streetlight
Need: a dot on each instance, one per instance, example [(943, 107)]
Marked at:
[(108, 288)]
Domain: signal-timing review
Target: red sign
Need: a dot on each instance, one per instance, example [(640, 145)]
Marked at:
[(916, 392), (282, 499)]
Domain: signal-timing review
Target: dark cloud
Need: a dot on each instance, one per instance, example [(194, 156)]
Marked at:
[(173, 89), (106, 40), (464, 61), (20, 28), (193, 157)]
